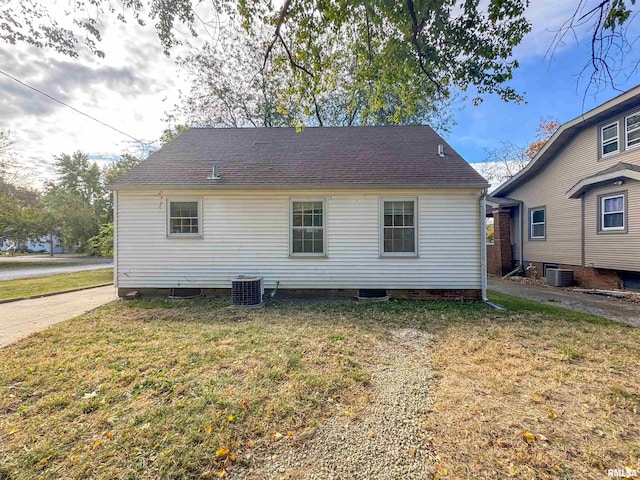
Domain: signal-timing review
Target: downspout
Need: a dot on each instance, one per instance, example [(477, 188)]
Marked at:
[(521, 208), (483, 249), (115, 240), (483, 242)]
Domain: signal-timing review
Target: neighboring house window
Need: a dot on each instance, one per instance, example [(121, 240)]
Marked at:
[(184, 218), (537, 223), (609, 139), (632, 130), (612, 212), (399, 233), (307, 227)]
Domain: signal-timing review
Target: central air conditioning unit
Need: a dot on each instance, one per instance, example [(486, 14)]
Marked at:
[(559, 277), (247, 291)]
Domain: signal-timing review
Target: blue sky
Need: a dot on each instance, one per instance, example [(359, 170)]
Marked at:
[(135, 85), (553, 88)]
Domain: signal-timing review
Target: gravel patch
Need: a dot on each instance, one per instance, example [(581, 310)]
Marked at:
[(385, 440)]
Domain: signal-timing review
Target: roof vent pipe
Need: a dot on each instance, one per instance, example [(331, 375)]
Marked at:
[(441, 150), (214, 174)]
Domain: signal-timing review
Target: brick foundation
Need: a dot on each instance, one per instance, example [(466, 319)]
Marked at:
[(319, 293), (589, 277), (469, 294)]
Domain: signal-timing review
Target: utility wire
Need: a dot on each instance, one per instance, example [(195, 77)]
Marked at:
[(72, 108)]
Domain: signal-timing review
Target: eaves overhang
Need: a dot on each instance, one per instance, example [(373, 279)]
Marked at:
[(603, 179)]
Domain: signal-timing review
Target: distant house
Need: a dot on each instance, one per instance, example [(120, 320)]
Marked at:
[(40, 246), (577, 204), (325, 210)]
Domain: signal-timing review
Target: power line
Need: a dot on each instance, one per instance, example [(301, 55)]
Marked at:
[(72, 108)]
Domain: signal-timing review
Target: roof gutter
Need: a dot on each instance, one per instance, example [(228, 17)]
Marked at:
[(304, 187)]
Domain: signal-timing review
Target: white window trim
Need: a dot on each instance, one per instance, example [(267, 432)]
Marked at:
[(324, 227), (602, 212), (615, 139), (626, 133), (416, 217), (169, 200), (532, 224)]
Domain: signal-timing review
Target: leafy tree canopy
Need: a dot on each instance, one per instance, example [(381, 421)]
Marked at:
[(233, 86), (399, 48)]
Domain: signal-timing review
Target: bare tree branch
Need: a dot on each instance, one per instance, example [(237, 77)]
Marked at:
[(276, 35)]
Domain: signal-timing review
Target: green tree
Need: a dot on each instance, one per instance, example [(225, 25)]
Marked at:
[(457, 43), (109, 174), (170, 133), (76, 173), (409, 49), (70, 218), (232, 86), (102, 243), (76, 201), (21, 214)]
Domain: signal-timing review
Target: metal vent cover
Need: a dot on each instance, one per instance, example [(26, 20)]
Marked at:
[(559, 277), (247, 291)]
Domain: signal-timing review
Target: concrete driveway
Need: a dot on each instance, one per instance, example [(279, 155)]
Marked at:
[(22, 318), (612, 308)]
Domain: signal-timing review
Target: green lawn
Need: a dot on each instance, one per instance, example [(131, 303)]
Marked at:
[(54, 283), (17, 265), (154, 388)]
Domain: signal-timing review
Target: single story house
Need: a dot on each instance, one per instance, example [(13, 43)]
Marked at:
[(328, 210), (576, 205)]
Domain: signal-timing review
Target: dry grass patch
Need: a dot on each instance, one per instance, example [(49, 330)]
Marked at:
[(160, 389), (536, 392)]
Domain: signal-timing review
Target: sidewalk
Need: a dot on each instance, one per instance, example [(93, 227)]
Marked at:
[(22, 318), (612, 308)]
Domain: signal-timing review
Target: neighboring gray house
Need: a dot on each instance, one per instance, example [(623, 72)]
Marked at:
[(332, 210), (41, 246), (577, 204)]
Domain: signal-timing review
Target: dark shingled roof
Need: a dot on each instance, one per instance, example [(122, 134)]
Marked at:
[(340, 157)]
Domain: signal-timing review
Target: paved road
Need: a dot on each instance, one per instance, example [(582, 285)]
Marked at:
[(612, 308), (22, 318), (48, 271)]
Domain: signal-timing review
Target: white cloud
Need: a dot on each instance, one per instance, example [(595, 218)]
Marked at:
[(130, 89), (548, 18)]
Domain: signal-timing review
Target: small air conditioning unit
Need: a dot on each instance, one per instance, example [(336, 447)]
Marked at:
[(247, 291), (559, 277)]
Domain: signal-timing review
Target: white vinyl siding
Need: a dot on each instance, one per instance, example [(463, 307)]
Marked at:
[(632, 130), (248, 233), (609, 139)]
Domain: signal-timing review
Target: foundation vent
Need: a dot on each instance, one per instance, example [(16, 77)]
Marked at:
[(559, 277)]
